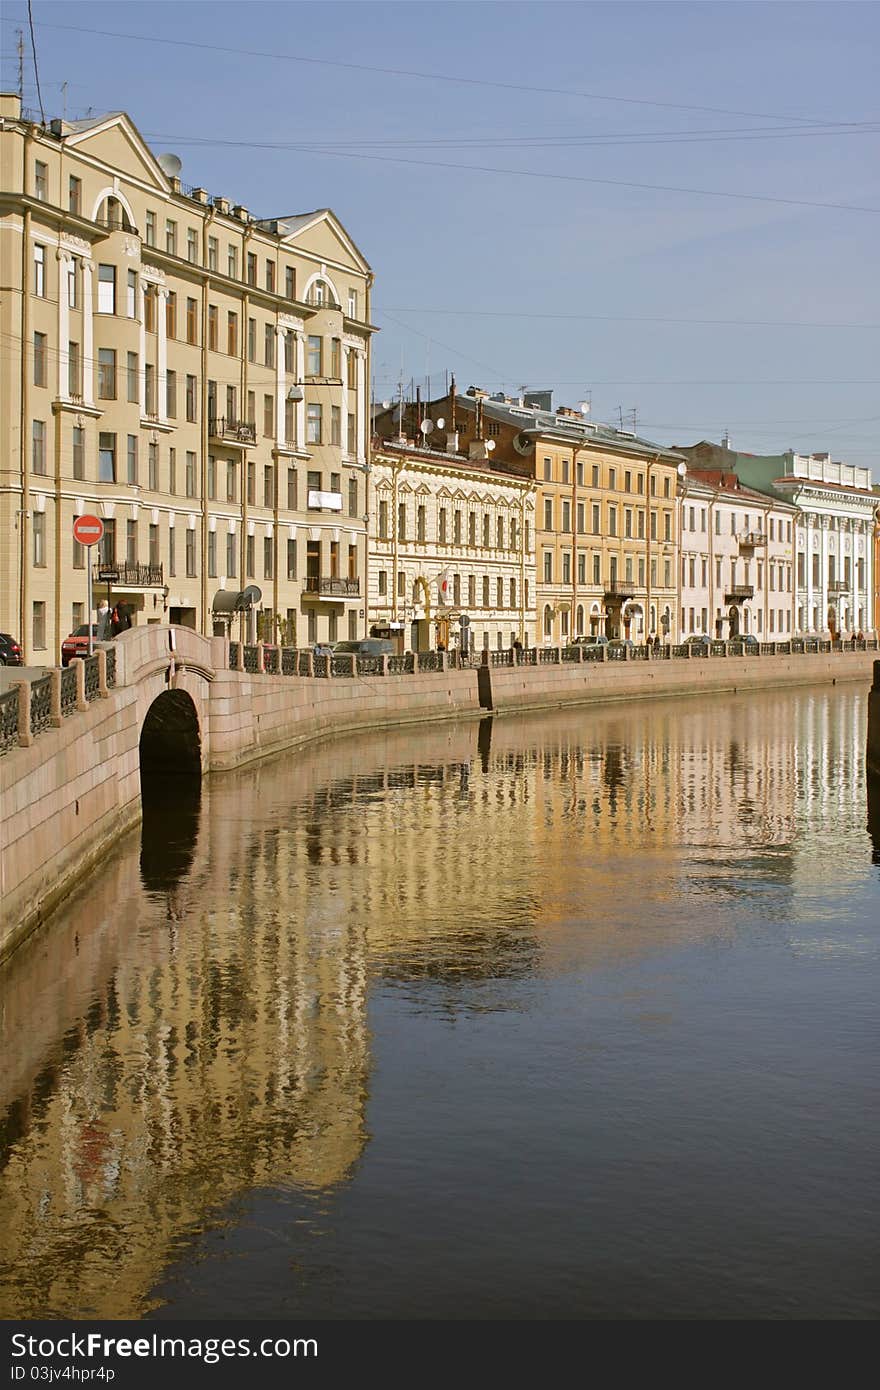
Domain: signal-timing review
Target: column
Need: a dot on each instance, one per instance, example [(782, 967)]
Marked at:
[(280, 385), (300, 376), (162, 363), (344, 402), (361, 403), (64, 262), (823, 574), (808, 568), (142, 347), (88, 379)]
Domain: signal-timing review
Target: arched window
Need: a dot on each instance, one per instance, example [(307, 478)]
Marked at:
[(112, 215), (548, 620), (580, 621)]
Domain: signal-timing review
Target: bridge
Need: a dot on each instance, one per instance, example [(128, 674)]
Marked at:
[(80, 746)]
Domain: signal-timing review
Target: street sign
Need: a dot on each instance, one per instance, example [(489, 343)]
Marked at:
[(464, 620), (106, 575), (88, 530)]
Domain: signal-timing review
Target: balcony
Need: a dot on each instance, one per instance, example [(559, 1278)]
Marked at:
[(330, 588), (619, 590), (324, 501), (750, 540), (738, 593), (129, 574), (230, 431), (838, 586)]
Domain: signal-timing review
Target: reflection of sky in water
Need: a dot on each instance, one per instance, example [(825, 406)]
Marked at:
[(363, 977)]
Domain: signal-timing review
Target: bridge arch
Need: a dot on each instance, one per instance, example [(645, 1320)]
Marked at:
[(170, 742)]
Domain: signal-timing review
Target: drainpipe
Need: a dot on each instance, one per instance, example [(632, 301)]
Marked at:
[(574, 555), (368, 451), (204, 429), (24, 514)]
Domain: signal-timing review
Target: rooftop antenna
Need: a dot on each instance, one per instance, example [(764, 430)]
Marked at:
[(20, 49), (64, 101)]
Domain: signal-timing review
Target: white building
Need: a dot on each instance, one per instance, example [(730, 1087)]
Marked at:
[(450, 538), (835, 507), (737, 559)]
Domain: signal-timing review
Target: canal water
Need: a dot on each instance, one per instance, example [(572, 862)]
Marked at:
[(572, 1016)]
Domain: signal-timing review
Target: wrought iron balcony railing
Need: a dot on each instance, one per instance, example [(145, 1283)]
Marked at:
[(332, 586), (738, 592), (232, 431), (130, 574)]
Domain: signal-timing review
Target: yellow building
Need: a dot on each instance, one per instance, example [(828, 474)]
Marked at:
[(192, 375), (606, 508)]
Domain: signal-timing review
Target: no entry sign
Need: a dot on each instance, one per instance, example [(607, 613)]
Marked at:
[(88, 530)]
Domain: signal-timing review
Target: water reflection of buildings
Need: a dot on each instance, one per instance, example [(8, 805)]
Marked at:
[(171, 1044)]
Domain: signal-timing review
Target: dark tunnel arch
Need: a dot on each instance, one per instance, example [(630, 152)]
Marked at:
[(170, 743)]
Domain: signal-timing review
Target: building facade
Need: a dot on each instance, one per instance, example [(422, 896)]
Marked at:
[(451, 540), (195, 377), (606, 508), (737, 559), (835, 510)]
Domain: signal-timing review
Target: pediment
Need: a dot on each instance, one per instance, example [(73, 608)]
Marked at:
[(322, 234), (116, 143)]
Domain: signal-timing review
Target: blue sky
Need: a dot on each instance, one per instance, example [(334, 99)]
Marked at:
[(510, 279)]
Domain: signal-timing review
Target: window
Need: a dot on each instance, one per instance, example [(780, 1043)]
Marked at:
[(291, 490), (106, 374), (106, 459), (232, 262), (212, 327), (171, 394), (212, 478), (268, 416), (230, 554), (313, 424), (548, 567), (595, 519), (566, 567), (456, 589), (79, 454), (268, 558), (612, 521), (131, 374), (401, 521), (270, 276), (252, 484), (191, 399), (548, 470), (41, 180), (39, 359), (131, 285), (352, 434), (582, 574), (72, 285), (566, 515), (268, 485), (565, 467), (190, 473), (132, 459), (213, 252), (74, 194), (106, 289), (485, 591), (383, 521), (192, 245), (39, 626), (352, 370), (313, 355), (289, 283), (269, 345), (131, 542), (383, 581), (171, 237), (512, 603), (232, 333), (352, 304), (38, 531), (149, 229), (251, 268), (79, 562), (336, 425), (172, 554), (192, 321), (597, 569), (548, 513), (191, 554), (150, 308), (456, 528), (249, 557), (291, 559), (212, 554), (231, 480), (612, 478), (150, 388)]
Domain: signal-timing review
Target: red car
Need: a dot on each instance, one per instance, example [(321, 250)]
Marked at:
[(77, 644)]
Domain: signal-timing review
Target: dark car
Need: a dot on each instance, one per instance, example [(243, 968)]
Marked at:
[(749, 641), (77, 644), (10, 651), (365, 646), (699, 641)]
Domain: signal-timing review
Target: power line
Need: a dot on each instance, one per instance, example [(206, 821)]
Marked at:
[(515, 173), (628, 318), (421, 76), (36, 69)]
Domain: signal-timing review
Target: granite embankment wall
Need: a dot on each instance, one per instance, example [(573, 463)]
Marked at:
[(66, 799)]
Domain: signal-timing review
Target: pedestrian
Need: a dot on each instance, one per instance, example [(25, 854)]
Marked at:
[(103, 624), (441, 646), (517, 645), (120, 618), (656, 641)]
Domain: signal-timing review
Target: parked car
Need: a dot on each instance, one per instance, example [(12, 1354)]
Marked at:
[(698, 640), (595, 640), (749, 641), (77, 644), (10, 651), (365, 646), (618, 643)]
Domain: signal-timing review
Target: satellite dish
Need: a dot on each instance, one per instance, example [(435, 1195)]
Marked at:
[(248, 598), (490, 445), (170, 164), (682, 469), (440, 423), (386, 405), (523, 444), (584, 407), (426, 426)]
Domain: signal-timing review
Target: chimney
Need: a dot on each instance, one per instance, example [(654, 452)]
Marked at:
[(200, 195), (241, 213), (10, 106), (222, 205)]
